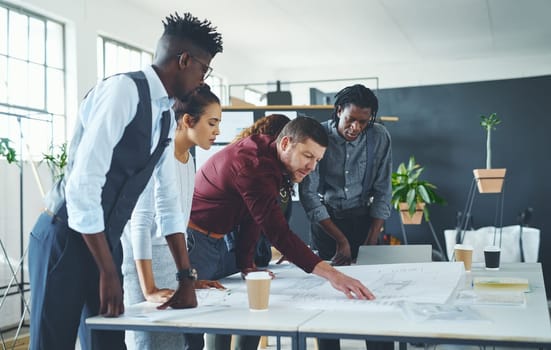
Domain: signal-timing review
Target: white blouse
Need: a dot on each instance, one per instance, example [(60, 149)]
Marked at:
[(142, 229)]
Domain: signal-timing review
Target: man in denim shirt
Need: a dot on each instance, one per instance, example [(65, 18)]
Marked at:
[(347, 198)]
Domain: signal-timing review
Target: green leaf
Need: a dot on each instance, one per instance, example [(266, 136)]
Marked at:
[(7, 151), (407, 187), (424, 194)]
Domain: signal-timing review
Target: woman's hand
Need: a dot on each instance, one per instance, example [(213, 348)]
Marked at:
[(159, 295)]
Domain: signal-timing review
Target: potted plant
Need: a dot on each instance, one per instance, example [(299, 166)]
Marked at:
[(7, 151), (57, 161), (489, 180), (410, 195)]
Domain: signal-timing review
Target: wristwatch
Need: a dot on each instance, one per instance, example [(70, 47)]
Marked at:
[(186, 274)]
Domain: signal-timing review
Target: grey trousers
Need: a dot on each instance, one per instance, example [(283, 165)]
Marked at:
[(164, 271)]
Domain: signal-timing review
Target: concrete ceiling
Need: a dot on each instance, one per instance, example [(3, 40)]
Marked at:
[(295, 34)]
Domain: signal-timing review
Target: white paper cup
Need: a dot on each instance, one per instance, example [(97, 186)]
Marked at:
[(491, 257), (258, 290), (464, 253)]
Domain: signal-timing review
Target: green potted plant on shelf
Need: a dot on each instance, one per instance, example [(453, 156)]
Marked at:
[(489, 180), (410, 194), (57, 161), (7, 151)]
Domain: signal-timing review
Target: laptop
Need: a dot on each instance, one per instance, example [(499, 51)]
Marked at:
[(394, 254)]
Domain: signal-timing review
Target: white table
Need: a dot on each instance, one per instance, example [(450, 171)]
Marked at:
[(301, 318), (277, 321), (515, 326)]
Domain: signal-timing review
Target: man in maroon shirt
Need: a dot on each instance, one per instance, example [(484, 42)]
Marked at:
[(237, 190), (240, 185)]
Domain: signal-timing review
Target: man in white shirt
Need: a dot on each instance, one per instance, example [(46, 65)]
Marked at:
[(122, 138)]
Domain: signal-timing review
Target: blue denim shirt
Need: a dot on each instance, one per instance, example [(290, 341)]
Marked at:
[(345, 178)]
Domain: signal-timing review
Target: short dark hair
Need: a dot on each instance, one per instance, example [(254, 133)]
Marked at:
[(199, 33), (358, 95), (196, 103), (302, 128)]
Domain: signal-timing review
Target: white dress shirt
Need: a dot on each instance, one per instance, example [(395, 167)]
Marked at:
[(103, 116)]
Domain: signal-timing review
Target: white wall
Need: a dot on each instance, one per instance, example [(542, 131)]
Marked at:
[(428, 72)]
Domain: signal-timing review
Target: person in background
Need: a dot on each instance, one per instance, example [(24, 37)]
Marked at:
[(347, 198), (146, 253), (122, 138), (239, 186)]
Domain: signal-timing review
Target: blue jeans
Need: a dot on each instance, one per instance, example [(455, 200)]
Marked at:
[(65, 287)]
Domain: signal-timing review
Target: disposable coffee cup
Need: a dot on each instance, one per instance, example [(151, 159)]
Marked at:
[(491, 257), (258, 290), (464, 253)]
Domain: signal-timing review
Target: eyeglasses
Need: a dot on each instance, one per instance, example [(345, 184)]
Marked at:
[(207, 70)]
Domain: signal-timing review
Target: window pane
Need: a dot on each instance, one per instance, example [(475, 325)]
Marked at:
[(111, 61), (118, 57), (18, 35), (58, 129), (147, 59), (135, 61), (123, 59), (18, 75), (38, 142), (36, 86), (28, 44), (54, 45), (56, 91), (3, 79), (101, 68), (36, 40), (3, 30)]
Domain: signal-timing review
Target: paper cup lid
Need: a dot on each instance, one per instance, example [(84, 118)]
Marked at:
[(463, 247), (492, 248), (258, 275)]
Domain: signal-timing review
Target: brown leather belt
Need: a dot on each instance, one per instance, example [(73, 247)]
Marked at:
[(214, 235)]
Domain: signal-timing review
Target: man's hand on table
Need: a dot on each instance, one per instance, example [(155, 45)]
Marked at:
[(183, 298), (343, 254), (246, 271), (351, 287)]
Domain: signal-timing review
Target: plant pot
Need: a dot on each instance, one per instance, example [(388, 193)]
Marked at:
[(489, 180), (417, 216)]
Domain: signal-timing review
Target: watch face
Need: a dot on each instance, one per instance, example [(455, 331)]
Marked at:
[(186, 274)]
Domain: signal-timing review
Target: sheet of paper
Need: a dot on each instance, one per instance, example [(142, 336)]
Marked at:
[(391, 284), (428, 283)]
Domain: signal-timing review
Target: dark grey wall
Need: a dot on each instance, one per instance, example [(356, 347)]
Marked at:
[(439, 125)]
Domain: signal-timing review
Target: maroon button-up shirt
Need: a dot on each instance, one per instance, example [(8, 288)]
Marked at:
[(239, 185)]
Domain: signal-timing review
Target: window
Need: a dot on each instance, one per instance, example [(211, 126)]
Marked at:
[(216, 84), (115, 57), (254, 96), (32, 80)]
